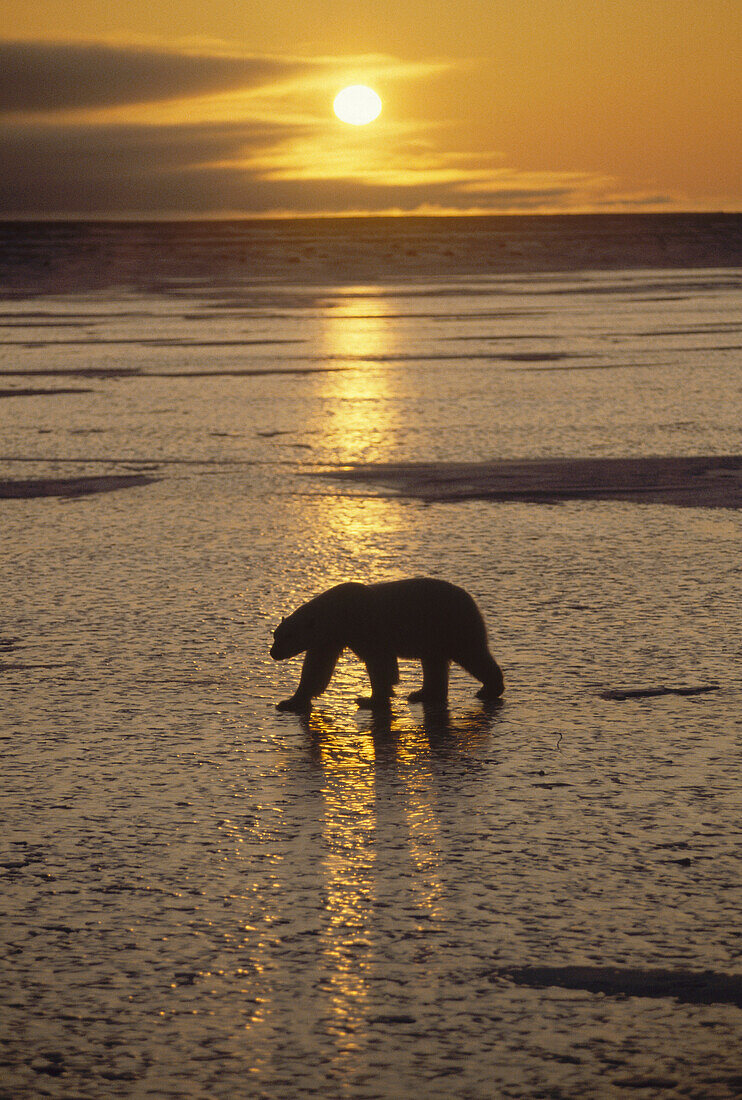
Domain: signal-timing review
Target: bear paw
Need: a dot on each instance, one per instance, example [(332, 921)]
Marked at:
[(428, 698), (297, 703), (373, 702), (488, 695)]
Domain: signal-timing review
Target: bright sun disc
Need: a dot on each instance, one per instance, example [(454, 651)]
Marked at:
[(357, 105)]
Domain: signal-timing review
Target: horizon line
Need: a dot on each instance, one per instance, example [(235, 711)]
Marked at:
[(389, 215)]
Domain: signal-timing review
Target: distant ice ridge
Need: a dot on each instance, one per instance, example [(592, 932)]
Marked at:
[(53, 257)]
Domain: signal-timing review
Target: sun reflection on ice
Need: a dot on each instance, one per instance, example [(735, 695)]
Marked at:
[(380, 819), (422, 820), (363, 411), (361, 416), (348, 793)]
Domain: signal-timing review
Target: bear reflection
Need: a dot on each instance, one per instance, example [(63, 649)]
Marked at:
[(439, 734)]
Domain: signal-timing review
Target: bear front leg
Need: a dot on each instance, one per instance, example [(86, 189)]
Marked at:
[(316, 672), (383, 672), (435, 682)]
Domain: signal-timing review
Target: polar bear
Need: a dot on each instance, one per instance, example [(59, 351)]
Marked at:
[(421, 617)]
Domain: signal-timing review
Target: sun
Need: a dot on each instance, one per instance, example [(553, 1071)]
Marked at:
[(357, 105)]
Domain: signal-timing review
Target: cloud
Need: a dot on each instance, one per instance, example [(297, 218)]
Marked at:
[(54, 76), (121, 169), (283, 155), (209, 167)]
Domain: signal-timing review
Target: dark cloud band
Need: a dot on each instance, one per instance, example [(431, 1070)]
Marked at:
[(195, 169), (39, 76)]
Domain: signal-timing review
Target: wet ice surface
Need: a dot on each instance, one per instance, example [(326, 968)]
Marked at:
[(205, 897)]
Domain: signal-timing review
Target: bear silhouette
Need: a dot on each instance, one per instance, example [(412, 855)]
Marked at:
[(422, 618)]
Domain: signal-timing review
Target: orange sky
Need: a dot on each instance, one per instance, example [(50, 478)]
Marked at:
[(208, 107)]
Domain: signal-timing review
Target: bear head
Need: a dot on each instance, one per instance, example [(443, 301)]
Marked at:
[(292, 636)]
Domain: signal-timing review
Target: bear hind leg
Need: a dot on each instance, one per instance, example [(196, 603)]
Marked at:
[(435, 682), (483, 667)]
